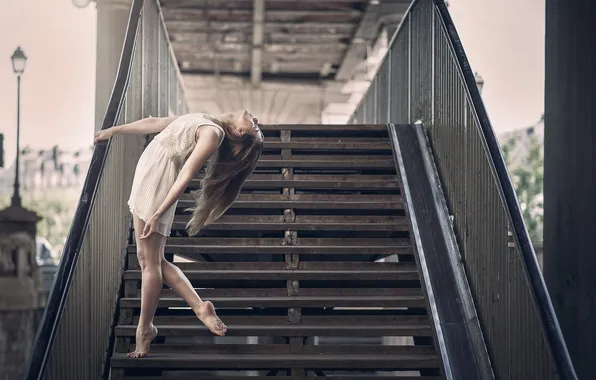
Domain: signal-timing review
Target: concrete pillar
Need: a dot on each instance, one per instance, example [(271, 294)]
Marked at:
[(20, 288), (112, 19), (570, 174)]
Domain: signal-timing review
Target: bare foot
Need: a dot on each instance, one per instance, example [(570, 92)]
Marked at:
[(206, 313), (144, 338)]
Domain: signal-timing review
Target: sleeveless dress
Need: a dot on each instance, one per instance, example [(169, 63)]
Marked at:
[(159, 165)]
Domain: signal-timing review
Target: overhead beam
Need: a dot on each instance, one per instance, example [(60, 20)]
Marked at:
[(256, 68), (366, 32)]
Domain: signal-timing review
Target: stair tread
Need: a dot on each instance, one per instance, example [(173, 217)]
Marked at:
[(356, 198), (344, 242), (296, 275), (129, 330), (299, 301), (352, 184), (324, 127), (345, 143), (366, 349), (238, 361), (322, 204), (338, 163), (214, 377), (187, 317), (398, 225), (263, 249), (286, 274)]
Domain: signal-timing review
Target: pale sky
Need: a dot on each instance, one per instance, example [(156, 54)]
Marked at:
[(504, 41)]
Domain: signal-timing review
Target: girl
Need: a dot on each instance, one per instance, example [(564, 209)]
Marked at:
[(170, 161)]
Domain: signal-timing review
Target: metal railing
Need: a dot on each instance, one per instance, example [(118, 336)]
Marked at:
[(425, 76), (73, 338)]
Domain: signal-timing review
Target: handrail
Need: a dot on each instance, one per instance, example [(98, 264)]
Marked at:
[(540, 295), (50, 321), (545, 306)]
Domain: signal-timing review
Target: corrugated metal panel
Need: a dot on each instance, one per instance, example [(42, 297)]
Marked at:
[(82, 339), (426, 83), (382, 94), (421, 61), (399, 75)]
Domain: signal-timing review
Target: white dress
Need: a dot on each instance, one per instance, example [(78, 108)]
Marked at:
[(159, 165)]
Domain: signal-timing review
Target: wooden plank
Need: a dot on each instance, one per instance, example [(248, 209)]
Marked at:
[(371, 204), (321, 197), (348, 181), (216, 377), (256, 361), (349, 176), (328, 164), (284, 302), (324, 127), (194, 376), (346, 144), (251, 292), (198, 330), (282, 320), (345, 242), (304, 266), (309, 201), (191, 251), (180, 222), (273, 349), (293, 275), (322, 183), (302, 241)]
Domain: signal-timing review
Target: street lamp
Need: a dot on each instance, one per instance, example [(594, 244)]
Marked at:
[(19, 59), (81, 3)]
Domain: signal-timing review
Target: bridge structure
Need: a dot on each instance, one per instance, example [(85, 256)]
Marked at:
[(381, 240), (288, 61)]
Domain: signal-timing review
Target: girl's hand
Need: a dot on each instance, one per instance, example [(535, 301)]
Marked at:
[(150, 226), (103, 135)]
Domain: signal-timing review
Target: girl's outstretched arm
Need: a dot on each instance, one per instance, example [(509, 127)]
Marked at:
[(140, 127)]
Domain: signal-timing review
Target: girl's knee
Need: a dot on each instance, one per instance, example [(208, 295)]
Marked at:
[(147, 260)]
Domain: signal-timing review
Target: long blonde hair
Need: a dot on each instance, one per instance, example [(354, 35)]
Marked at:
[(225, 174)]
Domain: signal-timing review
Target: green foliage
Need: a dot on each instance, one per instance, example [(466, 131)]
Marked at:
[(56, 210), (527, 175)]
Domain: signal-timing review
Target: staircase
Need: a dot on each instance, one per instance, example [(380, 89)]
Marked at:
[(312, 269)]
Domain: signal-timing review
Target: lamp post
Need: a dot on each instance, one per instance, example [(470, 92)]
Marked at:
[(19, 59), (81, 3), (20, 286)]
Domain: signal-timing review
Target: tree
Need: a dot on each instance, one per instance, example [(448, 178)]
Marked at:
[(527, 175), (56, 211)]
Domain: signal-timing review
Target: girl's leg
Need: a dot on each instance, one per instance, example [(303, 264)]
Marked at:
[(149, 254), (175, 279)]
